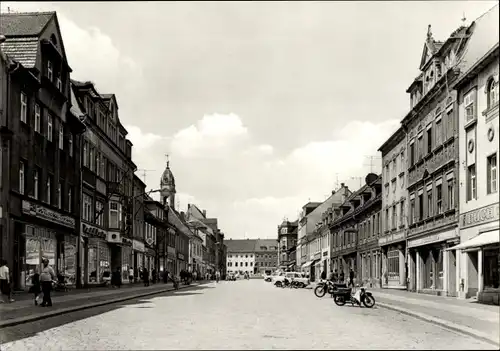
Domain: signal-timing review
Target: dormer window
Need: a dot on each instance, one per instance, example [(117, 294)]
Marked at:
[(53, 40), (50, 70), (59, 83)]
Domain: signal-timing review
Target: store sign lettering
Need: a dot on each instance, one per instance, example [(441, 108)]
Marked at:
[(432, 238), (49, 215), (479, 216), (138, 246), (93, 231), (391, 238)]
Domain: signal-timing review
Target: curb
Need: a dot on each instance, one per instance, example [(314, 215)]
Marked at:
[(442, 323), (39, 316)]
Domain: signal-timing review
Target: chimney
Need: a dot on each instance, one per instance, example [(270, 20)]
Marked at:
[(333, 192), (342, 185)]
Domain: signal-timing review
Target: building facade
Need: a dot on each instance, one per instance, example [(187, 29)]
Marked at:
[(107, 181), (135, 252), (266, 256), (39, 149), (392, 240), (432, 167), (478, 254), (241, 256), (287, 238), (355, 228)]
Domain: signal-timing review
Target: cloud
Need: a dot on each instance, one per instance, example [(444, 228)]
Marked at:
[(219, 166)]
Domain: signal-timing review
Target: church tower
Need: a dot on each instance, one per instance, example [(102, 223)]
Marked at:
[(167, 185)]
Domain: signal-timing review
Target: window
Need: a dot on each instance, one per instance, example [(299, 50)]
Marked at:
[(59, 196), (471, 182), (85, 154), (59, 83), (87, 208), (402, 163), (420, 146), (439, 197), (37, 118), (236, 264), (114, 214), (21, 178), (49, 189), (24, 108), (450, 128), (402, 213), (429, 200), (61, 136), (50, 70), (492, 174), (387, 222), (412, 210), (429, 140), (97, 163), (70, 144), (451, 191), (394, 217), (469, 106), (49, 127), (402, 181), (91, 158), (35, 184), (420, 205), (412, 154), (70, 199), (394, 186), (439, 131), (387, 171), (492, 93)]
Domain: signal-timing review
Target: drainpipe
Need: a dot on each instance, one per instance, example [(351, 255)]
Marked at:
[(79, 283)]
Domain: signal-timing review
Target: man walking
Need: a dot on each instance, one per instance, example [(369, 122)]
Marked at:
[(351, 278), (323, 275), (217, 276), (46, 278), (130, 275), (5, 282)]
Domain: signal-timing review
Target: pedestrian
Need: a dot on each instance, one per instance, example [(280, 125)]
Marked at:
[(145, 276), (165, 276), (5, 282), (35, 285), (46, 279), (323, 275), (217, 276), (335, 277), (153, 273), (130, 275), (341, 280), (116, 278), (351, 278)]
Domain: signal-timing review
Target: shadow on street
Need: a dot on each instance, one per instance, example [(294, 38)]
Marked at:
[(26, 330)]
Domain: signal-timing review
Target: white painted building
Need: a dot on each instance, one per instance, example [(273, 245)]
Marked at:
[(240, 255), (478, 254)]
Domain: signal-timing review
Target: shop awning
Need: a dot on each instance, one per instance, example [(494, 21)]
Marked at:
[(491, 237), (309, 263)]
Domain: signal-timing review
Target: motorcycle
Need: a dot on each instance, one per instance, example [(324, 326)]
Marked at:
[(329, 286), (344, 295), (283, 284)]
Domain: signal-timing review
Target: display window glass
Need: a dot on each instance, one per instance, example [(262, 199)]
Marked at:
[(491, 268), (39, 243)]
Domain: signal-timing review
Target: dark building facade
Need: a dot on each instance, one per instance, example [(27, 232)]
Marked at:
[(40, 149), (287, 239), (107, 181), (266, 256)]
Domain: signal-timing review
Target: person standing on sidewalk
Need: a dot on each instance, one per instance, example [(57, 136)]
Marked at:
[(48, 275), (217, 276), (130, 275), (351, 278), (35, 287), (145, 276), (154, 275), (5, 282)]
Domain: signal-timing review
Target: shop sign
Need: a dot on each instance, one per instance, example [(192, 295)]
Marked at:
[(138, 246), (434, 238), (325, 253), (47, 214), (180, 256), (94, 232), (391, 238), (481, 215), (317, 256)]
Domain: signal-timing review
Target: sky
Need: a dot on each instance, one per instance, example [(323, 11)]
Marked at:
[(261, 106)]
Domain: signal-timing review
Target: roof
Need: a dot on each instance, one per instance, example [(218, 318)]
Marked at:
[(259, 243), (24, 24), (22, 50), (75, 108), (393, 140), (240, 245), (484, 38)]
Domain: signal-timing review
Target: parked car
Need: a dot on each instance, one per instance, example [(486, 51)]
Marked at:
[(231, 277), (300, 278), (267, 277)]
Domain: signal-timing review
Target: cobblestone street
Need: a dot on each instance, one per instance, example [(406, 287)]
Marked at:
[(233, 315)]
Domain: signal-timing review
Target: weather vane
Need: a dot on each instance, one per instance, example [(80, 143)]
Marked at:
[(168, 160)]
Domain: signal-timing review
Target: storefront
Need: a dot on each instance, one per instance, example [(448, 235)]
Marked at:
[(48, 235), (325, 256), (393, 251), (181, 263), (479, 254), (171, 260), (369, 262), (127, 261), (433, 267), (138, 249), (97, 255)]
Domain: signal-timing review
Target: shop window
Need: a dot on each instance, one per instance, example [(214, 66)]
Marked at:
[(492, 174), (491, 268), (393, 265)]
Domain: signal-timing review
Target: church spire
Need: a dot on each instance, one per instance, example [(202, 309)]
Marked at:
[(167, 186)]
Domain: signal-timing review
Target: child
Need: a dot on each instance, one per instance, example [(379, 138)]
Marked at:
[(36, 287)]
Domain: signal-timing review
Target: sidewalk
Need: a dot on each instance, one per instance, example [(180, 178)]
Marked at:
[(465, 316), (23, 309)]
